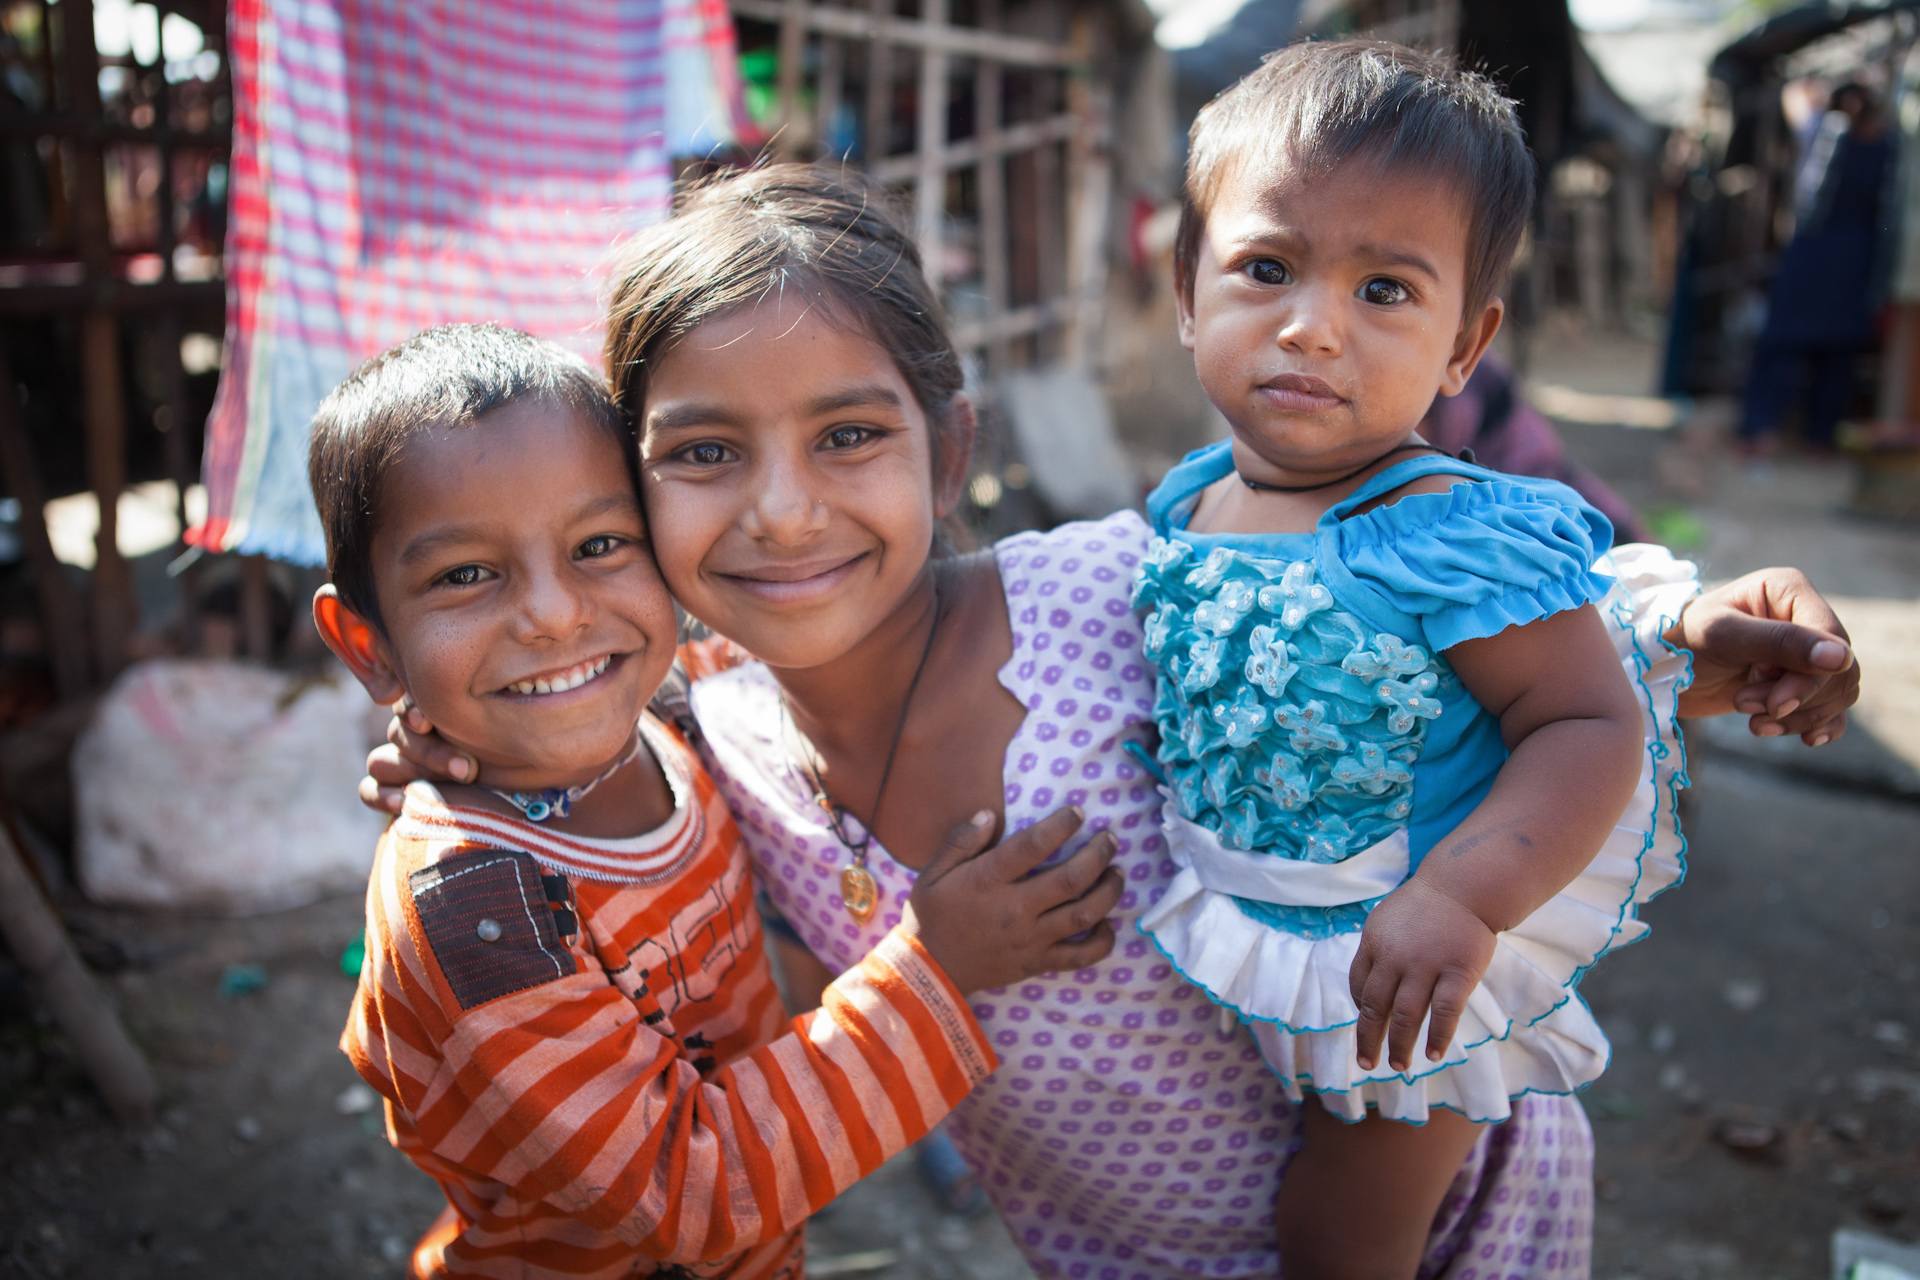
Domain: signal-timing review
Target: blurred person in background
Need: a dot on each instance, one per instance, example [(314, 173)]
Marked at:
[(1820, 310)]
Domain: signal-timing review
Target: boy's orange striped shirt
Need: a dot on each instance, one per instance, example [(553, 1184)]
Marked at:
[(596, 1068)]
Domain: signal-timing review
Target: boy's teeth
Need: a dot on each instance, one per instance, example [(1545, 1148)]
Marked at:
[(572, 679)]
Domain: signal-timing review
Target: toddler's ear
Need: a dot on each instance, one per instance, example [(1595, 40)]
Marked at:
[(1473, 342), (359, 644)]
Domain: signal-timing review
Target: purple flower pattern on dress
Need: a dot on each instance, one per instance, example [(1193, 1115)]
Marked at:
[(1125, 1135)]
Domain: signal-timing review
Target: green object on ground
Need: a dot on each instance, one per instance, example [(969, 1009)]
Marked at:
[(354, 956), (238, 980), (1676, 527)]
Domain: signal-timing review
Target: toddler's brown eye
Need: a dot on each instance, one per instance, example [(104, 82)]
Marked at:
[(1383, 293), (1267, 271)]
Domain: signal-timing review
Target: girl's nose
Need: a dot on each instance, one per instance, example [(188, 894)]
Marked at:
[(786, 508), (1311, 323)]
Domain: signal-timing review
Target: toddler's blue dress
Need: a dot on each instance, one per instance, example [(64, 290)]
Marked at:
[(1316, 745)]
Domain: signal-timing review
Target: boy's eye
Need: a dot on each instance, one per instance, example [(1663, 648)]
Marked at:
[(465, 575), (1268, 271), (847, 437), (1384, 293), (600, 544)]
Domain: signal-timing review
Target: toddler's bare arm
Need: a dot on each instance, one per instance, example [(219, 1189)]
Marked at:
[(1570, 721)]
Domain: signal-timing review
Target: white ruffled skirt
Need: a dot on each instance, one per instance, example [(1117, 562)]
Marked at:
[(1525, 1028)]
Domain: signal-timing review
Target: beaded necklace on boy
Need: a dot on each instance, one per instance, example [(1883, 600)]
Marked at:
[(858, 889), (559, 801), (1465, 455)]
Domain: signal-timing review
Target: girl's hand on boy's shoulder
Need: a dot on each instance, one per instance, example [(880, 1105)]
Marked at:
[(1769, 646), (990, 919), (414, 753)]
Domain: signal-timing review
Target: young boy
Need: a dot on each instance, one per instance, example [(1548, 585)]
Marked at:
[(566, 1002)]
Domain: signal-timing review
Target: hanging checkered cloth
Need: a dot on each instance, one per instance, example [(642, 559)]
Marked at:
[(398, 165)]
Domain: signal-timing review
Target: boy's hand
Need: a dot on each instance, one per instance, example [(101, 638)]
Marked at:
[(988, 922), (1770, 646), (413, 752), (1419, 948)]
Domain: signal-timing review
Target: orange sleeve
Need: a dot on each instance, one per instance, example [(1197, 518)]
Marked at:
[(564, 1092), (710, 656)]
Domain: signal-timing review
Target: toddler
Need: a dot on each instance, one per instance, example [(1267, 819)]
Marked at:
[(566, 1001), (1394, 728)]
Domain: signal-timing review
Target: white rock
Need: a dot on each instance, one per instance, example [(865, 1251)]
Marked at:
[(224, 787)]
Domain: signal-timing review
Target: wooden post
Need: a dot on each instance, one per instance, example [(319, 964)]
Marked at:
[(106, 428), (993, 195), (791, 141), (826, 96), (40, 943), (879, 122), (1090, 193), (930, 185), (65, 632)]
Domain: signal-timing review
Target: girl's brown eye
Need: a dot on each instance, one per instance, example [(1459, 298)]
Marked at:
[(598, 545), (846, 437)]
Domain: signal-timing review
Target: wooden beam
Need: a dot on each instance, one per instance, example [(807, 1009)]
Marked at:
[(1011, 140), (959, 42), (116, 296), (65, 124)]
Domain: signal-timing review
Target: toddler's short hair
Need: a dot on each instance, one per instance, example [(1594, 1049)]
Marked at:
[(1317, 105), (443, 377)]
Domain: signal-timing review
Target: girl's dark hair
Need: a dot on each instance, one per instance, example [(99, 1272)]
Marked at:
[(739, 239), (448, 376), (1316, 105)]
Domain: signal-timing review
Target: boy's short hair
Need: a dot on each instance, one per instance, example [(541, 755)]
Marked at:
[(1319, 104), (448, 376)]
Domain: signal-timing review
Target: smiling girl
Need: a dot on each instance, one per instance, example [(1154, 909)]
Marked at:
[(803, 438)]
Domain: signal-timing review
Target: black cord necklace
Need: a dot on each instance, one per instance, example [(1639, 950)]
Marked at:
[(1465, 455), (858, 889)]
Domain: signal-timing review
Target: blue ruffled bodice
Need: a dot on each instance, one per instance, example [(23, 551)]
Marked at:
[(1304, 707)]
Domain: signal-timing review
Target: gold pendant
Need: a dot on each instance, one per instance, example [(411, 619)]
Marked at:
[(859, 892)]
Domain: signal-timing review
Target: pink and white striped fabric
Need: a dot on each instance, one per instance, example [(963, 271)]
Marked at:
[(404, 163)]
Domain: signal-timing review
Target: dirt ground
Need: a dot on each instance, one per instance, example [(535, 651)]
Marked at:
[(1765, 1088)]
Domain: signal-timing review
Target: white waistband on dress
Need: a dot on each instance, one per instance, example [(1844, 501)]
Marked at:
[(1376, 870)]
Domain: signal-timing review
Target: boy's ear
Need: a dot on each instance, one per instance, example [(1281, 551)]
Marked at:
[(1183, 307), (1470, 346), (954, 458), (359, 644)]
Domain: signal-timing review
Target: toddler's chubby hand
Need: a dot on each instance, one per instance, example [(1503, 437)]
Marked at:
[(989, 919), (413, 752), (1420, 949)]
